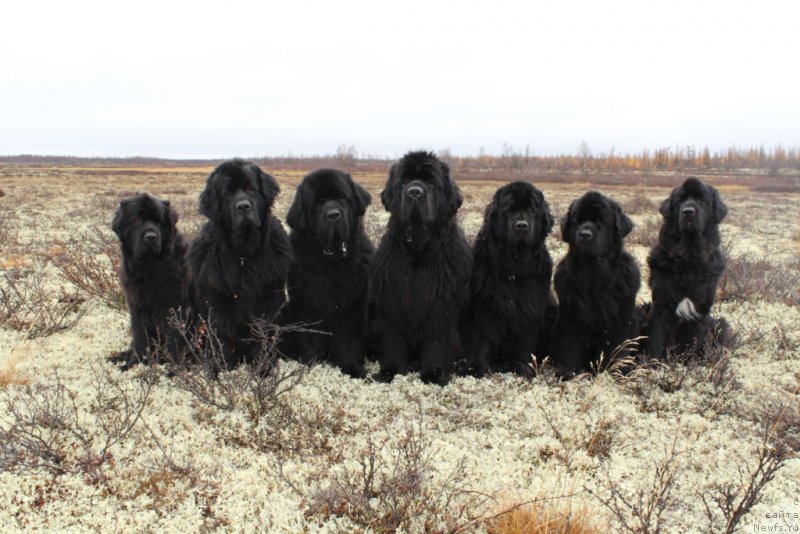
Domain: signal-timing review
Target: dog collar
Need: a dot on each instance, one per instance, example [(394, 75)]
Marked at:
[(329, 252)]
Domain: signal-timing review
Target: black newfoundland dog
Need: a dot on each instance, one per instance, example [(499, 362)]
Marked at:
[(510, 297), (328, 280), (239, 261), (596, 284), (685, 267), (153, 273), (420, 275)]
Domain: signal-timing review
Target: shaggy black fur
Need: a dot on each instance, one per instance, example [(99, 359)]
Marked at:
[(328, 281), (239, 261), (685, 267), (596, 284), (420, 275), (510, 297), (153, 273)]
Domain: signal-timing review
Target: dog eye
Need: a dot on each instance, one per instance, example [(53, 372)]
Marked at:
[(251, 189)]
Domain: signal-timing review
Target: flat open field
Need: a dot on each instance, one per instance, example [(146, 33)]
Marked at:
[(664, 449)]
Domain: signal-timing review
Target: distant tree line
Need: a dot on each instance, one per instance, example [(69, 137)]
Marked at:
[(776, 160)]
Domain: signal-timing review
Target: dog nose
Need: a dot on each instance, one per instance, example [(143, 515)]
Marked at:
[(688, 211), (243, 205), (333, 214), (585, 234), (415, 191), (522, 225), (150, 236)]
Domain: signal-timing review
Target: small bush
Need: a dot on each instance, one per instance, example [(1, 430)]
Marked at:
[(8, 234), (91, 263), (727, 503), (391, 487), (46, 428), (643, 508), (646, 234), (640, 203), (712, 374), (748, 279), (28, 305), (255, 387)]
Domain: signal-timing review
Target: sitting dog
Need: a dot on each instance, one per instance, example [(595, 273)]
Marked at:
[(239, 261), (596, 284), (419, 280), (685, 267), (153, 274), (328, 280), (510, 293)]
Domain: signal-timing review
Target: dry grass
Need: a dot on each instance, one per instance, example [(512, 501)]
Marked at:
[(547, 517), (10, 373)]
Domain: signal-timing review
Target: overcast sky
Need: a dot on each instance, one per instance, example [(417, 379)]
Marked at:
[(226, 78)]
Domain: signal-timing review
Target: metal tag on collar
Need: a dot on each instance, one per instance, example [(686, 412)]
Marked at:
[(344, 249), (241, 261), (512, 278)]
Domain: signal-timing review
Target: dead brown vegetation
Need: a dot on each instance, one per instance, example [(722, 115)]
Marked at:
[(28, 304), (48, 428), (91, 263), (547, 516), (747, 279)]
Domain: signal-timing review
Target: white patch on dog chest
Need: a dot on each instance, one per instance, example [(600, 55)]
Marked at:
[(686, 310)]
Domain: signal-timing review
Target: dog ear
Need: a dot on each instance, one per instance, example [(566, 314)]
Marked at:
[(666, 207), (361, 196), (566, 225), (490, 214), (116, 223), (718, 208), (546, 217), (268, 186), (172, 215), (454, 198), (387, 195), (209, 198), (623, 225), (171, 219), (296, 218)]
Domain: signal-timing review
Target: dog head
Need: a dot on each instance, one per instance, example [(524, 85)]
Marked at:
[(328, 205), (145, 226), (519, 215), (595, 225), (420, 189), (238, 195), (694, 207)]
